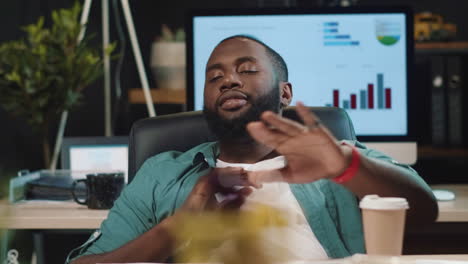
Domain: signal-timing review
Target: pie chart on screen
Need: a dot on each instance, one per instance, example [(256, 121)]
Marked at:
[(388, 32)]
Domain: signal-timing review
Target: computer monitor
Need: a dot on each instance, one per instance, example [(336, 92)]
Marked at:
[(95, 154), (356, 58)]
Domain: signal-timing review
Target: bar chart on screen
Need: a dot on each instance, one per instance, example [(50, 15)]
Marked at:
[(374, 98), (368, 98), (334, 37)]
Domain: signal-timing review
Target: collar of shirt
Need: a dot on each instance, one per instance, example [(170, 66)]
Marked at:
[(208, 154)]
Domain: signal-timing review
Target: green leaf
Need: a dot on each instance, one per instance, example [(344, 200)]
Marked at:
[(46, 72), (13, 77)]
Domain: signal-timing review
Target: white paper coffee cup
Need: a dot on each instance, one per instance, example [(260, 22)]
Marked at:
[(384, 223)]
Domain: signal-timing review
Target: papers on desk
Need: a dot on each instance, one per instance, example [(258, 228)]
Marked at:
[(45, 184)]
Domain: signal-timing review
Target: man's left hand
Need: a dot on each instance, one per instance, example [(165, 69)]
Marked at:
[(311, 151)]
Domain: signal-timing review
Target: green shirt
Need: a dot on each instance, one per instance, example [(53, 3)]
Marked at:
[(164, 181)]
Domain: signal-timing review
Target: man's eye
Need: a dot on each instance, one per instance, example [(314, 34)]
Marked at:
[(215, 78), (249, 71)]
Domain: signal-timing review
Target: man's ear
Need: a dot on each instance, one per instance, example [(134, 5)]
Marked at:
[(285, 93)]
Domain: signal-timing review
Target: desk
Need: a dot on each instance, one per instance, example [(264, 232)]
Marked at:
[(456, 210), (42, 215), (49, 215), (405, 259), (70, 215), (435, 257), (364, 259)]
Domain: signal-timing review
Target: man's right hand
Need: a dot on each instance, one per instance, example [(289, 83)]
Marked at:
[(158, 243), (202, 198), (219, 180)]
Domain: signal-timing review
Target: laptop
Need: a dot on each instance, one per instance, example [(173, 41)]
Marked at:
[(95, 154)]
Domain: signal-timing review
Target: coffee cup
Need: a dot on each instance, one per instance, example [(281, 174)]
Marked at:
[(384, 223), (102, 189)]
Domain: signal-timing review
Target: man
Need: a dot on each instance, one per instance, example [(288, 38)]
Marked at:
[(246, 89)]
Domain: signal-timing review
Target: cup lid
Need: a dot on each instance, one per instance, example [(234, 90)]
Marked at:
[(376, 202)]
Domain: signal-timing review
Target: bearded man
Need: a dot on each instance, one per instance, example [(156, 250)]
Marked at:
[(260, 157)]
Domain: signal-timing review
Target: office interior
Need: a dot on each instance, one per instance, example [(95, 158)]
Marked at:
[(20, 147)]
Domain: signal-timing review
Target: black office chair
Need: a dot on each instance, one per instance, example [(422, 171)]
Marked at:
[(182, 131)]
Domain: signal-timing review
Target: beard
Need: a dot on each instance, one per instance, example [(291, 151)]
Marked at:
[(235, 129)]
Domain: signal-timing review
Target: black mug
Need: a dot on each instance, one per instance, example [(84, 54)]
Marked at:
[(102, 189)]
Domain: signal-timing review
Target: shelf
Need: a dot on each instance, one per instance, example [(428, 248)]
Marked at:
[(434, 152), (442, 47), (159, 96)]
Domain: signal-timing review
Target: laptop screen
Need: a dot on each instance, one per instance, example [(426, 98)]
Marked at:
[(95, 154), (99, 158)]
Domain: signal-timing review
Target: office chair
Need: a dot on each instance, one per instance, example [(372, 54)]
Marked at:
[(182, 131)]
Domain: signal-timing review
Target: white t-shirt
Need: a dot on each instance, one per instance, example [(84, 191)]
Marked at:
[(300, 243)]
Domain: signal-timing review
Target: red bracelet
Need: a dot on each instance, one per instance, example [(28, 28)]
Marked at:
[(350, 172)]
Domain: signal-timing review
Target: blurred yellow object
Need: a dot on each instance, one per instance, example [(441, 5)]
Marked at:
[(431, 27), (203, 235)]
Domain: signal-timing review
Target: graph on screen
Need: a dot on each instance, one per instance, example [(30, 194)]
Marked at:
[(366, 97), (354, 61)]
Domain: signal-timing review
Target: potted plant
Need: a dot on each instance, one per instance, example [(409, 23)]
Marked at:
[(44, 74), (168, 59)]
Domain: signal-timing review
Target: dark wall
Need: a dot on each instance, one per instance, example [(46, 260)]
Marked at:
[(20, 147)]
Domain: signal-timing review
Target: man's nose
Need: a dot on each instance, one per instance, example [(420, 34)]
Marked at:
[(231, 81)]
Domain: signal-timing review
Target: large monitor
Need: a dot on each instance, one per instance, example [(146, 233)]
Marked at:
[(359, 59)]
